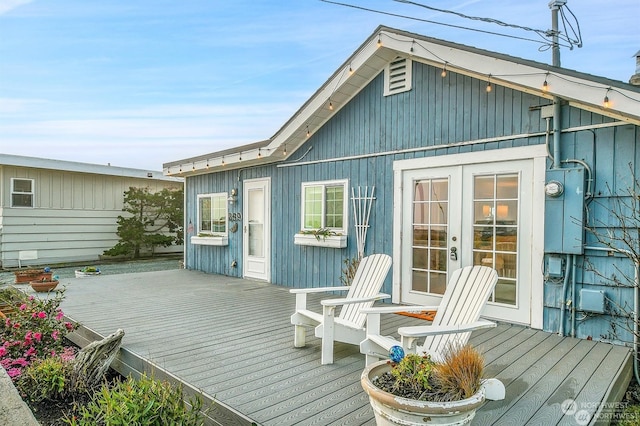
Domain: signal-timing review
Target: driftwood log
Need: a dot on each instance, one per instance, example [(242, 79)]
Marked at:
[(92, 362)]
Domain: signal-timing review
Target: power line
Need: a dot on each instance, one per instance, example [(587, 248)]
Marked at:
[(545, 43)]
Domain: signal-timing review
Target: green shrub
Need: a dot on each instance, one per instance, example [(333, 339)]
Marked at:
[(46, 379), (139, 402)]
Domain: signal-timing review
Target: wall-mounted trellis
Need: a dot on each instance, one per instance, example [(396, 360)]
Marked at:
[(361, 213)]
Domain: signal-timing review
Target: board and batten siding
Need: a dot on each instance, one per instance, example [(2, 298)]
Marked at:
[(613, 155), (73, 218), (424, 121)]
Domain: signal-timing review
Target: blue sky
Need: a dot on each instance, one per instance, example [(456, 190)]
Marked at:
[(139, 83)]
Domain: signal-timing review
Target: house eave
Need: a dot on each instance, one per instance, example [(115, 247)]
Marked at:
[(579, 89)]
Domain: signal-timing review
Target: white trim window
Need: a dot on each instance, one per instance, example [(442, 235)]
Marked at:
[(212, 215), (22, 192), (325, 206)]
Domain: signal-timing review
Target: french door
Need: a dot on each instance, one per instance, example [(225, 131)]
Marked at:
[(471, 214)]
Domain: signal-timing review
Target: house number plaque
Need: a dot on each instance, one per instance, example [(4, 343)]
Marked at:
[(235, 217)]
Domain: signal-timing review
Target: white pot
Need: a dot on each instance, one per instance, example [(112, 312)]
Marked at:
[(395, 410)]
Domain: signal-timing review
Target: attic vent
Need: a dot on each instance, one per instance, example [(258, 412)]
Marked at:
[(397, 76)]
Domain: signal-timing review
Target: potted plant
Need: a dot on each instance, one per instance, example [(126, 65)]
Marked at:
[(45, 284), (23, 276), (414, 389), (87, 271)]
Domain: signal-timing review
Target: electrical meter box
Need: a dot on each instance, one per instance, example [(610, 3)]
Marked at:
[(564, 211)]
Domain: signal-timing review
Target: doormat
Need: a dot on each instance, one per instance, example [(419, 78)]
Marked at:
[(425, 315)]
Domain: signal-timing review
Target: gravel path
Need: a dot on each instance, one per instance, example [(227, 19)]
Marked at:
[(7, 277)]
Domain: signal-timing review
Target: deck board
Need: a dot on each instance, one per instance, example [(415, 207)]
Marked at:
[(232, 339)]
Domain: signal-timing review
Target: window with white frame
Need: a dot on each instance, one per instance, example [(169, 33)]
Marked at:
[(22, 192), (324, 205), (212, 214)]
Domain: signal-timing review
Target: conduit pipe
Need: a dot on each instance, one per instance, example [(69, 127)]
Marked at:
[(563, 305)]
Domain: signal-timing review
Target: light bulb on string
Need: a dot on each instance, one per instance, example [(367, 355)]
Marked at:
[(259, 153), (379, 41), (412, 43), (240, 156), (222, 160), (489, 84), (350, 69), (605, 101), (545, 85), (285, 150), (330, 106), (207, 164), (193, 167), (443, 74), (308, 132)]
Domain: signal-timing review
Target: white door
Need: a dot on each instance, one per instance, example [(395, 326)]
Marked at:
[(256, 236), (474, 214)]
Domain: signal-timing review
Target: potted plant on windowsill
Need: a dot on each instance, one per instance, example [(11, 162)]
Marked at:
[(321, 237), (414, 389)]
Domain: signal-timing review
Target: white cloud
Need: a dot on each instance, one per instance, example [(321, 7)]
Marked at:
[(7, 5)]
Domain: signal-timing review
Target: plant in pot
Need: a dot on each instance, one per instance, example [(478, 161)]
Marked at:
[(45, 284), (416, 390)]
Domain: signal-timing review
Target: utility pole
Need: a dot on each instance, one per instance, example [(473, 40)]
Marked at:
[(555, 6)]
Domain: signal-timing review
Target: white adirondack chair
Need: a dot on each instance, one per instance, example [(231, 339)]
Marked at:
[(348, 326), (457, 315)]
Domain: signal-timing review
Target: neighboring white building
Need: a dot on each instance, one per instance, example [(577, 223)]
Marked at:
[(54, 211)]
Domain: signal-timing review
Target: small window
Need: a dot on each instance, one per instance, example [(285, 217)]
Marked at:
[(22, 192), (324, 205), (212, 214)]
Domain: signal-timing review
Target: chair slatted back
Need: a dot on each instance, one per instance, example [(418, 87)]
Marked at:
[(467, 292), (367, 282)]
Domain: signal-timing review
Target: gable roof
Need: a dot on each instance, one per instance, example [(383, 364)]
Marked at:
[(581, 90)]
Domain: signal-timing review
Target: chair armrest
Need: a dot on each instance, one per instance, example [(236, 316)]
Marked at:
[(344, 301), (429, 330), (397, 308), (318, 289)]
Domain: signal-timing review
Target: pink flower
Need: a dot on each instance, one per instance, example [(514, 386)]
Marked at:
[(23, 306), (31, 297), (16, 325), (31, 351), (3, 351), (33, 315), (59, 315), (14, 372), (55, 334), (37, 336), (7, 322), (68, 325), (42, 314)]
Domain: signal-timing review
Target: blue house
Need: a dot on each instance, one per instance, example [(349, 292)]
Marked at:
[(446, 155)]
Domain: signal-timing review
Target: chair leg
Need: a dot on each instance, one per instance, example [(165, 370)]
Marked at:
[(327, 334), (299, 335)]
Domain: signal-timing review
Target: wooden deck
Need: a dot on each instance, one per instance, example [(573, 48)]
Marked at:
[(232, 339)]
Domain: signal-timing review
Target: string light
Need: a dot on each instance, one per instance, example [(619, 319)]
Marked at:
[(285, 149), (489, 84), (259, 153), (308, 132), (193, 167), (240, 156), (606, 102), (207, 163), (379, 40), (412, 43), (444, 70), (545, 85), (180, 169), (223, 160), (330, 106), (350, 69)]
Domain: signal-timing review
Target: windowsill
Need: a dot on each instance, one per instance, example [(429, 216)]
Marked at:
[(210, 241), (331, 241)]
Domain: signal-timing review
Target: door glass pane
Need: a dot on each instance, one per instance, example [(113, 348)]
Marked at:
[(495, 231), (256, 227), (430, 229)]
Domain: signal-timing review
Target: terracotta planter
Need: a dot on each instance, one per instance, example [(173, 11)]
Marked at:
[(394, 410), (43, 286), (26, 276)]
